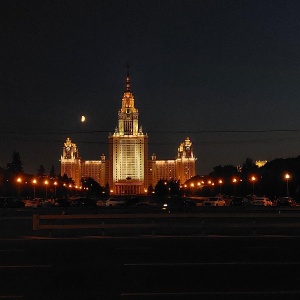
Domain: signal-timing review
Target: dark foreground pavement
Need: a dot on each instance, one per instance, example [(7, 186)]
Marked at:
[(198, 267)]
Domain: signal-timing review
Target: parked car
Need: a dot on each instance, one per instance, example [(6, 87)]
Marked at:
[(101, 202), (198, 200), (286, 201), (214, 201), (38, 202), (240, 201), (113, 202), (262, 201)]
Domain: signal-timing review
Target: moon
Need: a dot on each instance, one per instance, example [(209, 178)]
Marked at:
[(82, 119)]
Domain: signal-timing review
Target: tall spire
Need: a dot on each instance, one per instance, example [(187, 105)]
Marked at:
[(127, 79)]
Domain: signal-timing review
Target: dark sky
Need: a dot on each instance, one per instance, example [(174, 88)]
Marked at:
[(224, 73)]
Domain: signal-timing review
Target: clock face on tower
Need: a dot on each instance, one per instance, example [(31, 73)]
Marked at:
[(68, 148)]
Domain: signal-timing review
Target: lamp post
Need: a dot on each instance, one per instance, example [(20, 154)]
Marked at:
[(287, 177), (34, 183), (46, 185), (70, 187), (55, 184), (253, 178), (234, 181), (19, 180), (192, 188), (220, 183)]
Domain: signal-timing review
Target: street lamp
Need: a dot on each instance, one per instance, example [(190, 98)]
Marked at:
[(46, 184), (19, 180), (253, 178), (287, 177), (55, 184), (34, 183), (70, 187), (220, 183), (192, 188), (234, 180)]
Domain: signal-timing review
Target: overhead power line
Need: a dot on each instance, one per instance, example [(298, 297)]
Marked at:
[(54, 131)]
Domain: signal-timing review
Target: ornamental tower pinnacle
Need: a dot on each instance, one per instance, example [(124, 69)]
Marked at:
[(128, 115)]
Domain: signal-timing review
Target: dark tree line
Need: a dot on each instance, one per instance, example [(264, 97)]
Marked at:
[(15, 182), (269, 180)]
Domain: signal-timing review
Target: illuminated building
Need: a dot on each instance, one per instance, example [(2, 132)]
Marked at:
[(128, 171), (128, 149), (260, 163), (94, 169), (181, 168), (70, 161)]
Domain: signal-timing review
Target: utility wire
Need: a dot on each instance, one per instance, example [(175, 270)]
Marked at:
[(37, 131)]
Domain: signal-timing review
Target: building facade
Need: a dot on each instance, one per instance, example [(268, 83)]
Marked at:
[(129, 171)]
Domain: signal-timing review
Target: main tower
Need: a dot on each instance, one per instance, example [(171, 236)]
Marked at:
[(128, 150)]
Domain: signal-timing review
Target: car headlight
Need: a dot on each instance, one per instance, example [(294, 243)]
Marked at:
[(165, 206)]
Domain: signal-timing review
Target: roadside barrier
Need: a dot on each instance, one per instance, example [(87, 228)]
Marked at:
[(173, 224)]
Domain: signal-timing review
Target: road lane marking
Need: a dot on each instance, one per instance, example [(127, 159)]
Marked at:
[(24, 266), (11, 250), (211, 264), (283, 293), (11, 296)]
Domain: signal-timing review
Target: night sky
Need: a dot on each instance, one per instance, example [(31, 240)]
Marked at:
[(225, 73)]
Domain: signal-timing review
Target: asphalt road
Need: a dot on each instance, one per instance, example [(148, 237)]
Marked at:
[(154, 267)]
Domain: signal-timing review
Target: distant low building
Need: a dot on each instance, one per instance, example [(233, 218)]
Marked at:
[(260, 163)]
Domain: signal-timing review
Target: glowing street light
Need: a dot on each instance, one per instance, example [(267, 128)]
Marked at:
[(46, 185), (34, 183), (220, 183), (192, 188), (55, 184), (19, 180), (287, 177), (253, 179), (234, 181)]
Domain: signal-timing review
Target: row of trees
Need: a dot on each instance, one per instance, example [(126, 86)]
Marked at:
[(15, 167), (247, 179), (269, 180)]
